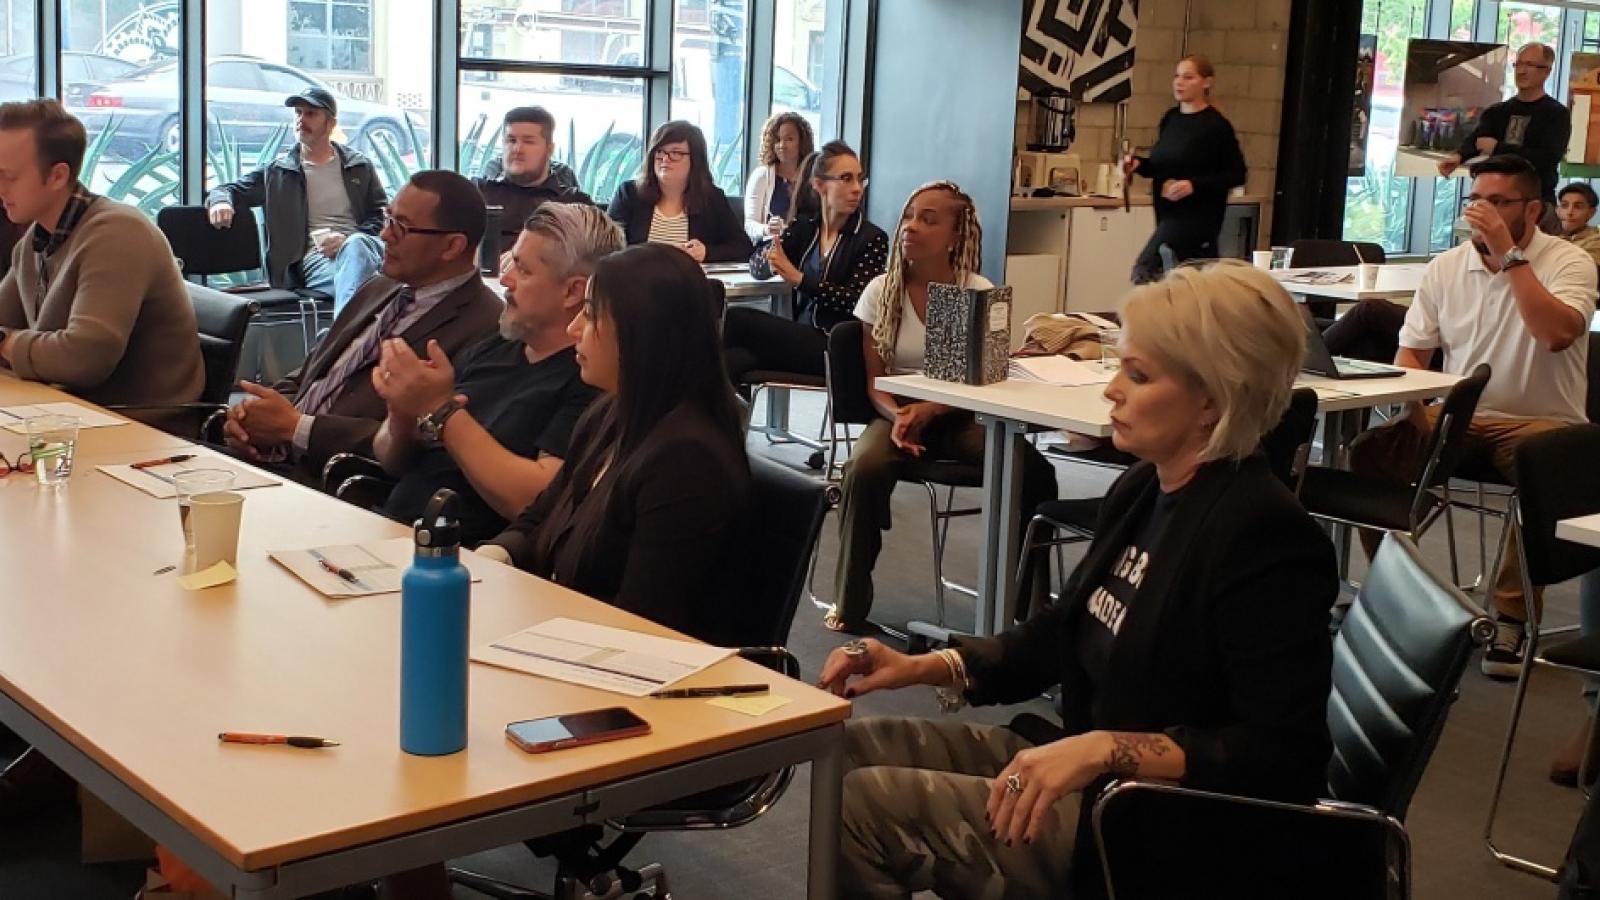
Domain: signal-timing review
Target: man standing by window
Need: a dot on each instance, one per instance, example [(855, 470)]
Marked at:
[(323, 202)]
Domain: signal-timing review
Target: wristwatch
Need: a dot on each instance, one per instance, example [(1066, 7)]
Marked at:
[(1513, 258), (432, 425)]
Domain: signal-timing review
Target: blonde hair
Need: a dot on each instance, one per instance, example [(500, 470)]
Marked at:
[(966, 256), (1235, 334)]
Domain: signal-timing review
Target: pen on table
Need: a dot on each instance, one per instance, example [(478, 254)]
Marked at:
[(309, 743), (165, 460), (332, 569), (726, 690)]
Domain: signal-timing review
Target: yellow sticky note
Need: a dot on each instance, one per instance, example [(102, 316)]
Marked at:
[(221, 573), (752, 704)]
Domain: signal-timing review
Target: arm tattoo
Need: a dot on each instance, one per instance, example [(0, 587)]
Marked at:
[(1128, 749)]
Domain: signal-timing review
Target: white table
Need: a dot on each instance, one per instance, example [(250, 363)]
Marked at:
[(1582, 530), (1010, 409), (1396, 281)]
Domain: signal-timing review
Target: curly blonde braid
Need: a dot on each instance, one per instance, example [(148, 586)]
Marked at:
[(966, 257)]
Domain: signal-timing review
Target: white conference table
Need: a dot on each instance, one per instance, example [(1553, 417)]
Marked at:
[(1396, 281), (1581, 530), (1010, 409), (123, 679)]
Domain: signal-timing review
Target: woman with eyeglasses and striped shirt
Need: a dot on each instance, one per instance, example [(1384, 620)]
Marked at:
[(675, 202)]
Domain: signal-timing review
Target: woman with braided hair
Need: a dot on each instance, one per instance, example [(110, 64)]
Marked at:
[(938, 241)]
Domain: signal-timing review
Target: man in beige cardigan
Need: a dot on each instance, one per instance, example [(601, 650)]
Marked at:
[(94, 301)]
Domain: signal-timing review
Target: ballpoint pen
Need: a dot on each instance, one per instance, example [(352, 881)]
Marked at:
[(329, 567), (165, 460), (726, 690), (308, 743)]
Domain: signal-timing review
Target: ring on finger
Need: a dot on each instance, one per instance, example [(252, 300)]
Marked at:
[(387, 374), (1014, 783), (856, 647)]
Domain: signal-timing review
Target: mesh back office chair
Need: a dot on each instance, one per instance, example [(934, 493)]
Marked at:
[(847, 396), (1396, 666), (222, 320), (204, 251), (787, 509), (1556, 479)]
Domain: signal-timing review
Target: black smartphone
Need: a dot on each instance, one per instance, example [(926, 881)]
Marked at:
[(576, 729)]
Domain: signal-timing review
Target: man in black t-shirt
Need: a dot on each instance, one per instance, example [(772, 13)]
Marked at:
[(495, 431), (525, 176), (1532, 125)]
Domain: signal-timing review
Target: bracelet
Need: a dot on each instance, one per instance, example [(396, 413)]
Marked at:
[(953, 698)]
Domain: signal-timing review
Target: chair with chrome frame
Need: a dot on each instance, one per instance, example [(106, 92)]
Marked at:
[(788, 509), (1379, 504), (1397, 663), (1556, 479)]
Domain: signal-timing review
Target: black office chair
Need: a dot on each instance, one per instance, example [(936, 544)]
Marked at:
[(357, 480), (787, 509), (1310, 253), (1287, 447), (847, 398), (1556, 479), (223, 320), (203, 251), (1396, 666), (1373, 503)]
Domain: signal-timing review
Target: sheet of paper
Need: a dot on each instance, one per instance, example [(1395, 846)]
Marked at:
[(752, 705), (1059, 370), (611, 659), (157, 480), (14, 418), (221, 573), (1322, 278), (377, 567)]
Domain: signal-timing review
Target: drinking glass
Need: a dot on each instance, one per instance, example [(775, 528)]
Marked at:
[(1110, 347), (52, 443)]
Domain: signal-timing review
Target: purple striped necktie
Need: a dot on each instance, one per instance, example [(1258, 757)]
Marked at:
[(319, 397)]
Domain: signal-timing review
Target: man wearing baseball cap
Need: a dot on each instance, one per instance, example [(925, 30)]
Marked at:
[(323, 205)]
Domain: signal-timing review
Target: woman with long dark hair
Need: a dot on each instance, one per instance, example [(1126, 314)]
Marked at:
[(646, 512), (786, 141), (827, 254), (675, 202)]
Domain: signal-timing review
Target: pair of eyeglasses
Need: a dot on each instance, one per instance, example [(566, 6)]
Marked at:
[(23, 464), (1497, 202), (401, 229), (672, 155), (1530, 65), (848, 178)]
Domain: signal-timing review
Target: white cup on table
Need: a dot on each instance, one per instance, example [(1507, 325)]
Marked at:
[(1261, 259), (1367, 276)]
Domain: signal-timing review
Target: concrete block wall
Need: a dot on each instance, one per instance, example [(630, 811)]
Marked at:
[(1247, 42)]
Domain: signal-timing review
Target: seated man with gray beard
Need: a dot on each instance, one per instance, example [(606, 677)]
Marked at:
[(496, 428)]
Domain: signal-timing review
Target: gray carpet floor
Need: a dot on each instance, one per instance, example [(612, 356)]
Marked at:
[(767, 859)]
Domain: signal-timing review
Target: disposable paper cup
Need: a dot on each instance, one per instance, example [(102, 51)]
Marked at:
[(1262, 259), (215, 519), (1368, 273)]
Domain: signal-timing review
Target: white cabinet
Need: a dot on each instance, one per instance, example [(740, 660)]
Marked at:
[(1035, 281), (1101, 248)]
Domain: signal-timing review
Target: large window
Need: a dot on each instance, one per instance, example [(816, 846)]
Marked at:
[(1377, 204), (120, 77), (589, 32), (365, 53), (803, 60), (708, 80)]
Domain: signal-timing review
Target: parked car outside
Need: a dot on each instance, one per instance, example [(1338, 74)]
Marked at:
[(81, 72)]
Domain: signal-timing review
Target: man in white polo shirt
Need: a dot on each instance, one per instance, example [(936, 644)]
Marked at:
[(1517, 299)]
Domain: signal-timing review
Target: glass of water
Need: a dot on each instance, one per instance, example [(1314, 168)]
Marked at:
[(1110, 348), (52, 443), (192, 483)]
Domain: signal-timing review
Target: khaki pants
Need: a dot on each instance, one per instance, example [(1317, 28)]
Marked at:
[(1396, 450), (914, 817), (870, 477)]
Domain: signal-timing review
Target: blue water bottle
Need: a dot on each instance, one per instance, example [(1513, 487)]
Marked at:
[(433, 635)]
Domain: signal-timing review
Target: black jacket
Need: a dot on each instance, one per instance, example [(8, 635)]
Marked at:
[(279, 188), (859, 255), (665, 542), (717, 225), (1225, 646), (517, 202)]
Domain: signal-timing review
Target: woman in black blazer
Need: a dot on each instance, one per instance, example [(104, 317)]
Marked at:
[(673, 201), (828, 253), (646, 512), (1191, 644)]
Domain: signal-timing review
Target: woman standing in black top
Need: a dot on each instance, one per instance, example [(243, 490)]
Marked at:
[(827, 254), (1195, 162)]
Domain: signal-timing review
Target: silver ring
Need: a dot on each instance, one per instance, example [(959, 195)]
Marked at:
[(856, 647), (1014, 783), (387, 374)]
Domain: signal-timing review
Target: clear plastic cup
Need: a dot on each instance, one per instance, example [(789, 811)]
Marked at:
[(1110, 348), (52, 443)]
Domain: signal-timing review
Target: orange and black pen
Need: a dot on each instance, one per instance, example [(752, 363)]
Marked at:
[(239, 737), (163, 461)]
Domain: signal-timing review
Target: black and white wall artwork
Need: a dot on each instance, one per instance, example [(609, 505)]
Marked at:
[(1084, 47)]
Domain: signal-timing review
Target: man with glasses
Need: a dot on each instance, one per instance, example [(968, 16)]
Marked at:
[(1517, 299), (1532, 125), (428, 291), (322, 201)]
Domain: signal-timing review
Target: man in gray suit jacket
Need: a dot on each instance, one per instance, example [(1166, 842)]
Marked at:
[(428, 290)]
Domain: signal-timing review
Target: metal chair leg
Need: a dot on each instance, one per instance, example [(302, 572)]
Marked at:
[(938, 552), (1450, 535)]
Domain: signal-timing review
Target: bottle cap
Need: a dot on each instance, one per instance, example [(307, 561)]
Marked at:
[(440, 527)]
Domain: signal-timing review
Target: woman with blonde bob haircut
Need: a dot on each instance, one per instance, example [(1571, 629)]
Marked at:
[(1191, 644)]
